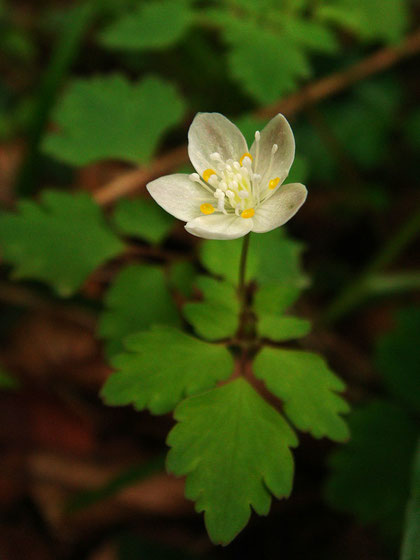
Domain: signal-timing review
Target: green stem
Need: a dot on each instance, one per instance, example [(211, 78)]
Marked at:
[(353, 294), (242, 271)]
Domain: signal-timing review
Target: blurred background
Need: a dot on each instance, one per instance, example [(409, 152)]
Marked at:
[(97, 97)]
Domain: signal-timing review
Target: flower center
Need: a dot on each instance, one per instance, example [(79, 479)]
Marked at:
[(234, 184)]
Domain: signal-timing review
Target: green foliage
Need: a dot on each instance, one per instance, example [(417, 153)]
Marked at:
[(154, 25), (142, 218), (181, 277), (397, 357), (371, 474), (258, 61), (162, 366), (412, 130), (137, 299), (281, 329), (372, 20), (59, 241), (273, 258), (109, 117), (360, 125), (411, 541), (308, 388), (234, 449), (217, 316)]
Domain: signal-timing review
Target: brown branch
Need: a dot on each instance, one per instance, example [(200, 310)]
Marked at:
[(309, 95)]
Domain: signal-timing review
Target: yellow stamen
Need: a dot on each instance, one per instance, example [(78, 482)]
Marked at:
[(273, 183), (207, 208), (208, 173), (244, 156), (248, 213)]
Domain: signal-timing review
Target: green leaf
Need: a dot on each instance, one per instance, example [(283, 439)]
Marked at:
[(59, 241), (385, 20), (272, 258), (370, 475), (181, 277), (217, 316), (308, 388), (137, 299), (109, 117), (311, 34), (271, 299), (397, 357), (234, 449), (411, 540), (155, 25), (142, 218), (266, 64), (283, 328), (162, 366)]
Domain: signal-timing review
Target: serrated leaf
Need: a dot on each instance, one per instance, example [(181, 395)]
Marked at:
[(137, 299), (272, 258), (162, 366), (370, 475), (234, 449), (308, 388), (142, 218), (397, 357), (268, 65), (154, 25), (282, 328), (60, 240), (109, 117), (217, 316)]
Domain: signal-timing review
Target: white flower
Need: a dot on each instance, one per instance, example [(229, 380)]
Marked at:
[(235, 190)]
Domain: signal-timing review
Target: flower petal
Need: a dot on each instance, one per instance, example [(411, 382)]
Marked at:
[(277, 131), (179, 196), (220, 226), (210, 133), (279, 208)]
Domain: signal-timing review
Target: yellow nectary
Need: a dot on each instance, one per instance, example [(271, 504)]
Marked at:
[(248, 213), (207, 208)]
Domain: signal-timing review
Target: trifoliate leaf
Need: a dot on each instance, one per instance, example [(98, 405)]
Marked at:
[(142, 218), (234, 449), (370, 475), (109, 117), (308, 388), (282, 328), (154, 25), (217, 316), (268, 65), (272, 258), (161, 366), (397, 357), (59, 241), (411, 541), (137, 299)]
